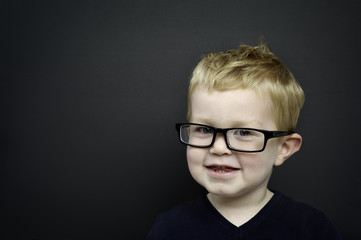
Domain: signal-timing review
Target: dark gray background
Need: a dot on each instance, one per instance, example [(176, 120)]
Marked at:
[(90, 92)]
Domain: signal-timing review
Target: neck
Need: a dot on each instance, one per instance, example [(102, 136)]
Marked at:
[(240, 209)]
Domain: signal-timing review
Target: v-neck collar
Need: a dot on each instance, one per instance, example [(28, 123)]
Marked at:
[(255, 221)]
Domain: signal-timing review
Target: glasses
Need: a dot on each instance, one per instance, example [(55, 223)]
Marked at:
[(237, 139)]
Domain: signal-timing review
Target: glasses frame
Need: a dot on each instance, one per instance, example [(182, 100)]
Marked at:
[(267, 135)]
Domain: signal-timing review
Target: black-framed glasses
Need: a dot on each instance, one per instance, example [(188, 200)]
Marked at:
[(237, 139)]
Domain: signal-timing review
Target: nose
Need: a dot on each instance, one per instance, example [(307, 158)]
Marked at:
[(219, 146)]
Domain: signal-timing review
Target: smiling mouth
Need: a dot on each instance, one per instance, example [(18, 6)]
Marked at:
[(222, 169)]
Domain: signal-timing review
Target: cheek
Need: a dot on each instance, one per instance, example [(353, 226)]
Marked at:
[(194, 156), (254, 163), (272, 150), (195, 159), (259, 164), (266, 159)]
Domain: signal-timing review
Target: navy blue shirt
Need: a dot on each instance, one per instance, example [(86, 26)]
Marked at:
[(280, 218)]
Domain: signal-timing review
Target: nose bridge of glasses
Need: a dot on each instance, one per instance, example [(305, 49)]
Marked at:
[(220, 144), (222, 133)]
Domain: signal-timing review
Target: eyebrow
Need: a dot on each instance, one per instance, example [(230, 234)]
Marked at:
[(233, 124)]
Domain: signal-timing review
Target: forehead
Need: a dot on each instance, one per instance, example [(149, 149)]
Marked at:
[(232, 108)]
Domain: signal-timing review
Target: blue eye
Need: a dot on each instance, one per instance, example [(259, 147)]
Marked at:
[(243, 133), (205, 130)]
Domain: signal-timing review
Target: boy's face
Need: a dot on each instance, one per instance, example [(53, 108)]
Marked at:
[(226, 109)]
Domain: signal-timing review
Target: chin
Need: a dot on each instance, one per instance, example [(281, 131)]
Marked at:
[(222, 192), (229, 192)]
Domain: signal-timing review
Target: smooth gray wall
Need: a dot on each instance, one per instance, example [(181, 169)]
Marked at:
[(90, 92)]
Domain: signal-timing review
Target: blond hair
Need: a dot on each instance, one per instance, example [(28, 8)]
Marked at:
[(254, 68)]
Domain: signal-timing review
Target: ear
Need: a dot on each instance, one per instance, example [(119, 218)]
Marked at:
[(288, 146)]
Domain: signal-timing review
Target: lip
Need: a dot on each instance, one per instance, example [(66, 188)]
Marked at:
[(222, 171)]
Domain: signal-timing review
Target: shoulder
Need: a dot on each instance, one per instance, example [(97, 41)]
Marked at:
[(299, 211), (182, 219), (186, 210), (302, 219)]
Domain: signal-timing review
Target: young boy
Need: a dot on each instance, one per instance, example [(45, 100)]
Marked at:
[(243, 107)]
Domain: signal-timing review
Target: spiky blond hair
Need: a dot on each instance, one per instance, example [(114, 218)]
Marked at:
[(254, 68)]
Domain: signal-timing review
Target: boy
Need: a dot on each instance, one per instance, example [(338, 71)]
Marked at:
[(243, 107)]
